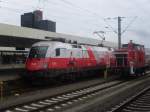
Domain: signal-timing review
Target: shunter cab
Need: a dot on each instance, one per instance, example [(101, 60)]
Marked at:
[(130, 58)]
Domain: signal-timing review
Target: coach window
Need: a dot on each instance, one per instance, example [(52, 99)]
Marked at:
[(58, 52)]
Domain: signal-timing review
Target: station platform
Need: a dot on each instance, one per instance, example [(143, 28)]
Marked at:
[(11, 66), (10, 72), (9, 77)]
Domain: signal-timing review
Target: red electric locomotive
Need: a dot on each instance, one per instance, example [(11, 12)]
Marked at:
[(130, 59), (55, 59)]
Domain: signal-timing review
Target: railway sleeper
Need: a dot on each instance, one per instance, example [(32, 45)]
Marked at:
[(137, 108)]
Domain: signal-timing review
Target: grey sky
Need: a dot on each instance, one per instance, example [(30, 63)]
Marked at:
[(83, 17)]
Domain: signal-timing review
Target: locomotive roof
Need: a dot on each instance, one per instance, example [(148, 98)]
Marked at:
[(134, 44), (45, 43), (48, 43)]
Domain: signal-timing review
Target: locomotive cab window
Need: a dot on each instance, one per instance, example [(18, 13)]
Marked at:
[(38, 52), (58, 52), (61, 52), (121, 59)]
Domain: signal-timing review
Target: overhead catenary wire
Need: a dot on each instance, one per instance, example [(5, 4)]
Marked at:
[(103, 19), (69, 3), (40, 1), (19, 11), (95, 14), (111, 27), (12, 9), (131, 22), (72, 6), (90, 12), (94, 23)]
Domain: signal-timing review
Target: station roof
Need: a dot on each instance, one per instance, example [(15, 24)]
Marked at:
[(16, 36)]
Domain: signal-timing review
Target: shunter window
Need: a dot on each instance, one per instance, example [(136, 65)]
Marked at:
[(121, 59), (38, 52)]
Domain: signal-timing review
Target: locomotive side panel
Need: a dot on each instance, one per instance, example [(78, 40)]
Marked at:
[(59, 56)]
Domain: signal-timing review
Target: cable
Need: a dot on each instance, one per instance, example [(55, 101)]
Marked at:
[(72, 13), (131, 22), (85, 10), (66, 22), (90, 12), (12, 9), (20, 10), (111, 27), (14, 3), (71, 7)]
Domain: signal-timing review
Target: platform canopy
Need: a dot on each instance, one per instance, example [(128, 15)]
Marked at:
[(16, 36)]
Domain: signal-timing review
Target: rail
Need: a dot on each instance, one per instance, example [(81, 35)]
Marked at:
[(56, 102), (137, 103)]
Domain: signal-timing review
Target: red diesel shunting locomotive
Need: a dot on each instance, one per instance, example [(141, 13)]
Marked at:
[(130, 59)]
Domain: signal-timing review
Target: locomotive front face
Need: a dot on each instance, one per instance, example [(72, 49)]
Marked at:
[(37, 58), (131, 57), (121, 58), (38, 52)]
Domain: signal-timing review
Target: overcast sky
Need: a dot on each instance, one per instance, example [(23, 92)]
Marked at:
[(83, 17)]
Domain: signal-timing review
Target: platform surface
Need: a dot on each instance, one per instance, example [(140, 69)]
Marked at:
[(8, 77), (11, 66), (10, 72)]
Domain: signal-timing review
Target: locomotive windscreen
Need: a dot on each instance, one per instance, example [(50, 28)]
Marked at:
[(38, 52)]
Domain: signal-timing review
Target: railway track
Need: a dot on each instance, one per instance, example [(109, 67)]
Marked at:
[(20, 87), (137, 103), (60, 101)]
